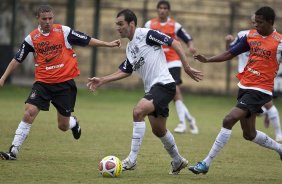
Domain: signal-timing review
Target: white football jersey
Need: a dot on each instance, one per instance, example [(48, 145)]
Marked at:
[(147, 58), (242, 58)]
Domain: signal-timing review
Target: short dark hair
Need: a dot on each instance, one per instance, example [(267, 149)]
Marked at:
[(163, 2), (128, 16), (267, 13), (43, 9)]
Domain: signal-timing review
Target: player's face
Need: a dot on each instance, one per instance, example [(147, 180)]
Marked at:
[(163, 12), (46, 20), (262, 26), (123, 27)]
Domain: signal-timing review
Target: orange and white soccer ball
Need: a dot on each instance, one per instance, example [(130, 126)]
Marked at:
[(110, 166)]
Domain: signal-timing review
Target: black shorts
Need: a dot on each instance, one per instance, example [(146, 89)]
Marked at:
[(161, 94), (62, 96), (252, 100), (176, 74)]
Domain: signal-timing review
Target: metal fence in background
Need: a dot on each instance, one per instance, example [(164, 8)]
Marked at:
[(208, 21)]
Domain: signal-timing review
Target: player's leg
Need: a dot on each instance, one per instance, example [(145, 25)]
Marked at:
[(143, 107), (274, 119), (162, 96), (21, 133), (220, 141), (37, 100), (180, 106), (68, 122), (64, 98), (158, 125), (250, 133), (181, 109), (266, 121)]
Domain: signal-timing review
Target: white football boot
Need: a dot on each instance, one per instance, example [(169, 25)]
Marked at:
[(181, 128), (128, 165), (176, 167)]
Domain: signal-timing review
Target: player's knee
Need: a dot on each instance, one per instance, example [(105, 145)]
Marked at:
[(138, 114), (29, 115), (228, 122), (249, 136)]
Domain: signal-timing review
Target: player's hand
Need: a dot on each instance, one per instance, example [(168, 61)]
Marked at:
[(229, 38), (93, 83), (115, 43), (200, 58), (193, 73)]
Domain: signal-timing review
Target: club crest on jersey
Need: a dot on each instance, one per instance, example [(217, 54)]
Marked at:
[(36, 36), (276, 37), (134, 52)]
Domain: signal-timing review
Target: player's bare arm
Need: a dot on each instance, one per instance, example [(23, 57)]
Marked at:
[(193, 73), (100, 43), (11, 67), (95, 82), (191, 47), (218, 58)]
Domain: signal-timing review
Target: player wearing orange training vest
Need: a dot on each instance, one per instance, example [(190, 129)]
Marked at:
[(255, 86), (55, 70)]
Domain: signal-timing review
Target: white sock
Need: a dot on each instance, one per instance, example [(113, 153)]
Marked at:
[(188, 116), (264, 140), (180, 111), (274, 119), (221, 139), (136, 141), (72, 122), (20, 135), (170, 146)]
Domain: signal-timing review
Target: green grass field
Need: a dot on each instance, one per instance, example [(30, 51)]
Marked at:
[(51, 156)]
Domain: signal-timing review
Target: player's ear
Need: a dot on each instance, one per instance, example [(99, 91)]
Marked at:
[(132, 23)]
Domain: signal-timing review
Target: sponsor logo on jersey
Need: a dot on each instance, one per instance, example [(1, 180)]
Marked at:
[(256, 50), (46, 49), (50, 59), (157, 40), (138, 64), (79, 35), (21, 52), (54, 67), (243, 103), (255, 72)]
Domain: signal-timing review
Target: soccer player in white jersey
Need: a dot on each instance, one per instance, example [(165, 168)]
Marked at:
[(170, 27), (269, 109), (145, 56)]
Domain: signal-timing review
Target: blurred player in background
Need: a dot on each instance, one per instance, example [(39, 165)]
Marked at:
[(55, 70), (170, 27), (144, 55), (255, 85), (269, 110)]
